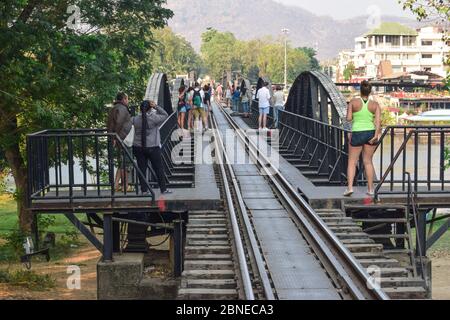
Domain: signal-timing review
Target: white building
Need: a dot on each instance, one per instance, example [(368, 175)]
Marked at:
[(405, 49)]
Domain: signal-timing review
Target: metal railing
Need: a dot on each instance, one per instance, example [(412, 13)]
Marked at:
[(324, 147), (82, 164), (79, 164), (421, 152)]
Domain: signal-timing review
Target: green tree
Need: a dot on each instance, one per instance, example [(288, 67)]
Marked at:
[(387, 118), (270, 60), (349, 71), (219, 52), (53, 75), (447, 157), (174, 54), (254, 58), (311, 53)]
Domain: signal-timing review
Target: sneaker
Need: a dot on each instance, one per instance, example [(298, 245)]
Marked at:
[(370, 193), (146, 194), (167, 192), (348, 193)]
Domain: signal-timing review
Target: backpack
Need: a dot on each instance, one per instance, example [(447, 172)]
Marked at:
[(197, 99)]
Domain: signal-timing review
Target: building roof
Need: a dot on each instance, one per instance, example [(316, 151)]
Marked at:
[(430, 75), (432, 116), (415, 75), (392, 29)]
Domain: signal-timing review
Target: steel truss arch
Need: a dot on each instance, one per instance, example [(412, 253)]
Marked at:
[(315, 96)]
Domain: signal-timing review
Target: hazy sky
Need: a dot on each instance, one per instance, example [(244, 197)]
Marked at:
[(342, 9)]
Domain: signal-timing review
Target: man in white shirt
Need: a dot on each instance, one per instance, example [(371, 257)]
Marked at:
[(263, 97)]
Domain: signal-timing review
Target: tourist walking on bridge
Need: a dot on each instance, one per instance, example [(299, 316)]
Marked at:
[(119, 122), (263, 97), (219, 93), (189, 107), (246, 95), (147, 143), (199, 106), (236, 98), (365, 116), (278, 104), (228, 96), (207, 89), (182, 107)]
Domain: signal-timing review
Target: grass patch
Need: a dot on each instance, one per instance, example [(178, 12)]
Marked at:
[(27, 279), (9, 219), (8, 214), (11, 239), (444, 242)]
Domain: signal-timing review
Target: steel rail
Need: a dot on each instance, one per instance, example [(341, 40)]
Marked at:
[(220, 149), (348, 272), (245, 274)]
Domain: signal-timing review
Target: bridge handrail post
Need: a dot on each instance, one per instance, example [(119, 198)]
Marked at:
[(107, 238), (178, 238), (391, 166)]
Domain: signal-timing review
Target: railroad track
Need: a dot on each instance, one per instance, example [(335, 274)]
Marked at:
[(224, 259), (350, 279)]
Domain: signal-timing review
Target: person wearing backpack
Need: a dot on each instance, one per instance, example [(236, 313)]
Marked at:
[(197, 103), (182, 107)]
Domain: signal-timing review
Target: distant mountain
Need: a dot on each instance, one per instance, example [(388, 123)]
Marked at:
[(251, 19)]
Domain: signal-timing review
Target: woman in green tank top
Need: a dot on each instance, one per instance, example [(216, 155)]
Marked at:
[(365, 116)]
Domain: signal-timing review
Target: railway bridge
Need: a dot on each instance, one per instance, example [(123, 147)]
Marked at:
[(255, 216)]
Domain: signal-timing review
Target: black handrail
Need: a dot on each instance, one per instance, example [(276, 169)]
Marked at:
[(322, 145), (325, 146), (443, 134), (39, 169), (411, 205), (48, 148)]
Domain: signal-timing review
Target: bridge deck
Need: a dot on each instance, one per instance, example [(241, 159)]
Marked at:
[(332, 196), (204, 196), (296, 273)]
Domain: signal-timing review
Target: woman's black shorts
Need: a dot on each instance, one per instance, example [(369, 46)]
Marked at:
[(362, 138)]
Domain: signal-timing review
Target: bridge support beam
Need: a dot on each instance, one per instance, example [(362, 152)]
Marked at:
[(85, 231), (107, 238)]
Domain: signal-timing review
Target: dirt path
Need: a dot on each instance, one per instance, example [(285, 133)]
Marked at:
[(441, 275), (85, 258)]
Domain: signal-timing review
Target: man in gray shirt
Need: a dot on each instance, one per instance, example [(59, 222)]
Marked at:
[(119, 118), (119, 122)]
